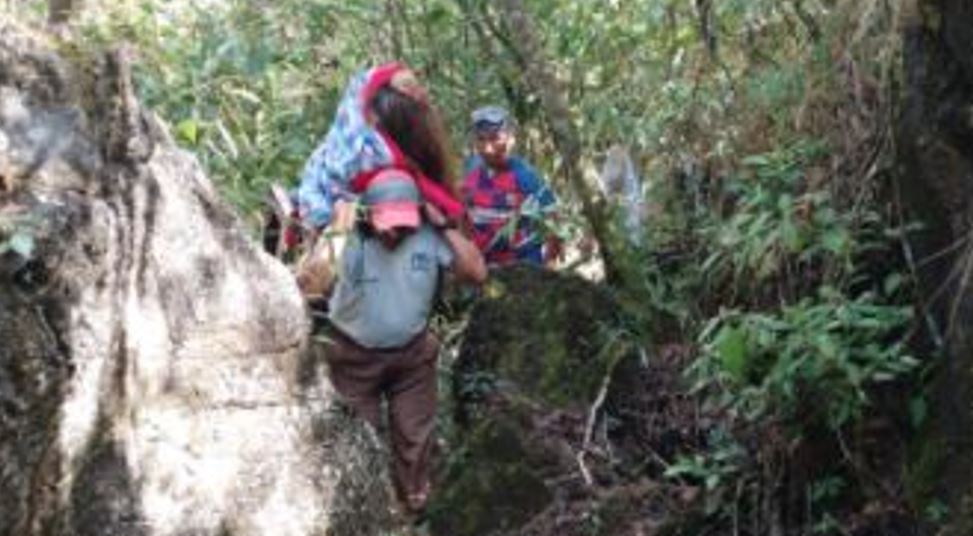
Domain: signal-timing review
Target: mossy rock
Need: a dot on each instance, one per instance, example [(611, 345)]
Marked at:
[(541, 333), (491, 486), (928, 460), (537, 343)]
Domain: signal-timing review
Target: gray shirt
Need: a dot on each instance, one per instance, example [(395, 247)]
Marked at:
[(383, 297)]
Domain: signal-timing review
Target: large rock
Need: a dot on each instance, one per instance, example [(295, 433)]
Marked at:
[(533, 358), (544, 332), (155, 377), (540, 352)]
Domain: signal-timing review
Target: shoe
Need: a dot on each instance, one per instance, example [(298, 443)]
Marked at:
[(416, 502)]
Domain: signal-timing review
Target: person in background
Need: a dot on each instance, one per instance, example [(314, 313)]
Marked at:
[(379, 344), (508, 204)]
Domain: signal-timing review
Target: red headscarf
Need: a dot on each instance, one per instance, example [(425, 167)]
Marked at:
[(432, 191)]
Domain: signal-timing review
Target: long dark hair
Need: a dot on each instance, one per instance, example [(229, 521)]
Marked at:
[(418, 130)]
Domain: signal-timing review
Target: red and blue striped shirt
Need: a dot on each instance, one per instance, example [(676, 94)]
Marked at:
[(506, 208)]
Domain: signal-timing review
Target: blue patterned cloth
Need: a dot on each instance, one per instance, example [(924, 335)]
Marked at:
[(352, 146)]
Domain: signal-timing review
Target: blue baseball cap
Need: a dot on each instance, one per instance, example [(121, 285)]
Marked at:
[(490, 119)]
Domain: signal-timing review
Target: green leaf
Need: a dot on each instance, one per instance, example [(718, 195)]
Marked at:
[(245, 94), (892, 283), (918, 410), (756, 160), (188, 130), (731, 343), (790, 235), (835, 241)]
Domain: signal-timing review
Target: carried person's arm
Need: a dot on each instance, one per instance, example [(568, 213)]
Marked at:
[(468, 264)]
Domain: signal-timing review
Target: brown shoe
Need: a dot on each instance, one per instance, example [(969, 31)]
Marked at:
[(416, 502)]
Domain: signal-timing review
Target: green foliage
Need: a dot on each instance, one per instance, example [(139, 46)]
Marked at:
[(795, 319), (716, 467), (250, 88), (816, 358), (775, 226), (937, 512)]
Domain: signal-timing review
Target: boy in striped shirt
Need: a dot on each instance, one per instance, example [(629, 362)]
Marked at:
[(507, 201)]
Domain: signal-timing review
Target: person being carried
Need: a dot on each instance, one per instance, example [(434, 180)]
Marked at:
[(379, 344), (507, 202), (358, 146)]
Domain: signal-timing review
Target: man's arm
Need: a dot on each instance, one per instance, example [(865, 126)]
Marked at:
[(468, 264)]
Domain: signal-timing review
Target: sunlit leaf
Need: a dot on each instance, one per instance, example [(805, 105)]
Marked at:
[(188, 130), (731, 343)]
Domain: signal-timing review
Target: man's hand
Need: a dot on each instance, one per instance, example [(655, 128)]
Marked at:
[(344, 217), (434, 216), (553, 251)]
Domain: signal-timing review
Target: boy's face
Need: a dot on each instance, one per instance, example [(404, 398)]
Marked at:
[(494, 147)]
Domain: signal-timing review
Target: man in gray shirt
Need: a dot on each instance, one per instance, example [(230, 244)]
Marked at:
[(379, 344), (383, 295)]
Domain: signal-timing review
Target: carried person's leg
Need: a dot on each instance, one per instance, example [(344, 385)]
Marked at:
[(412, 416)]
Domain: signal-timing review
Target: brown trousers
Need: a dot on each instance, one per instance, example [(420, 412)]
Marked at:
[(406, 377)]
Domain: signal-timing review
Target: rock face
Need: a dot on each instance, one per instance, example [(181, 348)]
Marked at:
[(936, 140), (562, 417), (534, 355), (155, 376)]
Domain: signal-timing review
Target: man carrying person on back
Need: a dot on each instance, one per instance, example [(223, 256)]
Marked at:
[(387, 147)]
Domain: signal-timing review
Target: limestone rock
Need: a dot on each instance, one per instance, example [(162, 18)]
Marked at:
[(155, 371)]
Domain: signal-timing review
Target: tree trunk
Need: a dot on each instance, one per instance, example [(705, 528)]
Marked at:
[(155, 377), (936, 183), (531, 60), (61, 11)]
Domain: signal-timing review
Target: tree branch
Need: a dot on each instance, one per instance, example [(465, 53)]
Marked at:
[(60, 11), (512, 88), (704, 13), (810, 24)]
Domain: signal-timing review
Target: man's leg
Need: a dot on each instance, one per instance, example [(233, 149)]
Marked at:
[(356, 375), (412, 416)]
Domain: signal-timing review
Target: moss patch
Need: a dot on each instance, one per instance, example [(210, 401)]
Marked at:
[(542, 333), (490, 486)]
